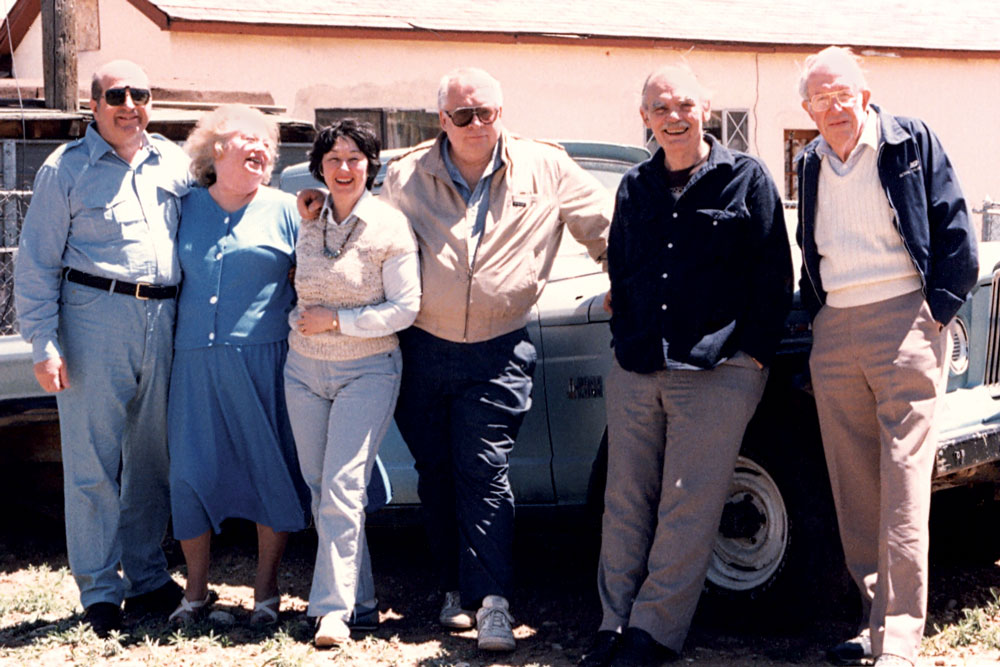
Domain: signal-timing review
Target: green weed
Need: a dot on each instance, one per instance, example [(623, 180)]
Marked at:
[(977, 626)]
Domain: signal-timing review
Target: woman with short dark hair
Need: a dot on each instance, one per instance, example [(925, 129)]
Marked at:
[(358, 283)]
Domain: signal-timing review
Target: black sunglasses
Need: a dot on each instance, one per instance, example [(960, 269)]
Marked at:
[(463, 116), (116, 96)]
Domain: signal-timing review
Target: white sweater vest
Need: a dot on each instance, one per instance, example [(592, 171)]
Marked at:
[(862, 257)]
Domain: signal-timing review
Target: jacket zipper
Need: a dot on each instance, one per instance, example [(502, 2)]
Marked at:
[(805, 230), (472, 269)]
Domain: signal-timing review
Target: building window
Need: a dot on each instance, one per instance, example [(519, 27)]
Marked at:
[(730, 127), (396, 128), (795, 141)]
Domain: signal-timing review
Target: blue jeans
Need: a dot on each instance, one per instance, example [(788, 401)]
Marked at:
[(460, 408), (112, 420), (340, 411)]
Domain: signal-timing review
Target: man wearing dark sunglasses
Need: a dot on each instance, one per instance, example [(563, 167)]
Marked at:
[(488, 208), (95, 283)]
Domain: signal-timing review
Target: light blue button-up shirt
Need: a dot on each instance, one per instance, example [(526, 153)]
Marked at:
[(477, 200), (94, 212), (236, 289)]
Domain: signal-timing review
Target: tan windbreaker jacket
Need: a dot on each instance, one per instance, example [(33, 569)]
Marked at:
[(538, 189)]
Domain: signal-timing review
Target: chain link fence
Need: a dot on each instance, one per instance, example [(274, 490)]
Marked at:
[(13, 205)]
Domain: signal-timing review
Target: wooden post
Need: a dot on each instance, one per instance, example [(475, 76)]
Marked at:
[(59, 54)]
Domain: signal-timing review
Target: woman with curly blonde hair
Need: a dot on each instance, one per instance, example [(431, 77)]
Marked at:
[(231, 447)]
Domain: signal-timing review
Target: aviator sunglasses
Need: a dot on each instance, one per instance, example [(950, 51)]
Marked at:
[(463, 116), (116, 96)]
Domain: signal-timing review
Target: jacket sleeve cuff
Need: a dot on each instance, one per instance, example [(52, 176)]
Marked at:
[(44, 348), (944, 305)]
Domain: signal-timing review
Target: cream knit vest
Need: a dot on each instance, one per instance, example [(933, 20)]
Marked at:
[(862, 257), (352, 280)]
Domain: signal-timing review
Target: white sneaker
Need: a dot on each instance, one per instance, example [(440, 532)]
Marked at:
[(453, 616), (331, 630), (495, 625)]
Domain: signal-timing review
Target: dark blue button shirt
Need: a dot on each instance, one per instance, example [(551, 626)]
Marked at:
[(710, 273)]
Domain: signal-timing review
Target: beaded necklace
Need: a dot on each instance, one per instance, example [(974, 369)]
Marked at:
[(334, 254)]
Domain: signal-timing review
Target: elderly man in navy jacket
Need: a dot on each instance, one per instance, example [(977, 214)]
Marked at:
[(888, 259), (700, 287)]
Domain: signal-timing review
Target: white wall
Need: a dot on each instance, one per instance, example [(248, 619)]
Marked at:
[(570, 91)]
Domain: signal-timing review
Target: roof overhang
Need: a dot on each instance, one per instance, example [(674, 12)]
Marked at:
[(438, 26)]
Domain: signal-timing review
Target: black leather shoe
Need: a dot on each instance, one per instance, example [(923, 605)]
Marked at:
[(851, 652), (639, 649), (103, 618), (365, 620), (603, 649), (158, 602)]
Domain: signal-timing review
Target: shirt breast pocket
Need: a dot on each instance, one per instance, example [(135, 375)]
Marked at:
[(101, 220), (724, 231)]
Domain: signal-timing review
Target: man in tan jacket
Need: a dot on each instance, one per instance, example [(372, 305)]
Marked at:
[(488, 209)]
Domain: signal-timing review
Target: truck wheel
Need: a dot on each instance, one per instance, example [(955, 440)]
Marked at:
[(753, 532), (777, 556)]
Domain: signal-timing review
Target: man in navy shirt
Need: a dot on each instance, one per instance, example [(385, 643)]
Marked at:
[(700, 287)]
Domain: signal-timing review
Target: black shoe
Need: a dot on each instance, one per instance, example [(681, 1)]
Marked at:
[(639, 649), (159, 602), (103, 618), (600, 653), (851, 652), (363, 620)]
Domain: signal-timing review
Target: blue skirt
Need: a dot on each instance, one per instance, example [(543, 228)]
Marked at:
[(231, 449)]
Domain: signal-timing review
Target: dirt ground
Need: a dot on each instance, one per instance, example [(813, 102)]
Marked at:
[(555, 607)]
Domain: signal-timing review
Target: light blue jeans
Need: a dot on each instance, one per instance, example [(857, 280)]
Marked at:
[(112, 419), (340, 411)]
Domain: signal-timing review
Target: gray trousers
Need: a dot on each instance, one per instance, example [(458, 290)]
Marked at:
[(877, 372), (673, 439), (340, 411), (112, 421)]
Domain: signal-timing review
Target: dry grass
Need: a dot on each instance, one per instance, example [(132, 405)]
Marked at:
[(41, 621)]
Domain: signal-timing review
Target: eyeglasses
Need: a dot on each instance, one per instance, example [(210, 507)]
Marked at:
[(116, 96), (823, 101), (463, 115)]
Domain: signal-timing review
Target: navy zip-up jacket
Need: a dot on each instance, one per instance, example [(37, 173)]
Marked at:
[(930, 215), (710, 273)]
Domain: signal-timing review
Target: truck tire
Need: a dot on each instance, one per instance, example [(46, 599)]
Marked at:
[(778, 557)]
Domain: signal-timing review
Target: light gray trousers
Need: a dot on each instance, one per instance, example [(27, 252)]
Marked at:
[(673, 439), (340, 411)]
